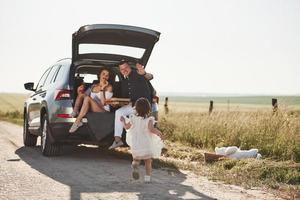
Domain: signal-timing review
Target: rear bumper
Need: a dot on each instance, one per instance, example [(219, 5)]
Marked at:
[(60, 133)]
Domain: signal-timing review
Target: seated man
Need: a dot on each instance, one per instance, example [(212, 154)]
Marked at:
[(134, 86)]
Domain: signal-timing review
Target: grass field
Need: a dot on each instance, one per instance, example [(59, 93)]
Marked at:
[(12, 102), (254, 100), (236, 103), (11, 107), (247, 122)]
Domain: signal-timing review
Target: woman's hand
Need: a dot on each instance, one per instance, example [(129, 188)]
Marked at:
[(105, 84), (80, 89)]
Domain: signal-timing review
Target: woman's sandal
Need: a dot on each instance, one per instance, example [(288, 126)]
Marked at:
[(74, 114), (75, 126)]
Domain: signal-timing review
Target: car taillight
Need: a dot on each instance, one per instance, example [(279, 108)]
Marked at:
[(63, 115), (156, 99), (62, 95)]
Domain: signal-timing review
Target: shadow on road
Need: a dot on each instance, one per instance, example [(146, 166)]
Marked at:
[(96, 173)]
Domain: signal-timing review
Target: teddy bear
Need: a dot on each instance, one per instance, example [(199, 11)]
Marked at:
[(237, 153)]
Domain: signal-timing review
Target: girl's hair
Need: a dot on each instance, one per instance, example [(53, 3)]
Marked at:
[(102, 69), (142, 107)]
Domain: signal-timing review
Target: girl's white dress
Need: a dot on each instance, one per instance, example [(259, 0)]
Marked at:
[(143, 144)]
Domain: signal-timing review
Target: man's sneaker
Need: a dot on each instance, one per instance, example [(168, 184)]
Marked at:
[(75, 126), (116, 144), (147, 179), (74, 114), (135, 172)]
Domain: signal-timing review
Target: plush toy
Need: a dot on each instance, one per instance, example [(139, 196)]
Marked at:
[(235, 152)]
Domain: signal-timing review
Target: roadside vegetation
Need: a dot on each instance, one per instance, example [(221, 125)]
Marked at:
[(276, 135), (12, 116), (11, 107), (190, 131)]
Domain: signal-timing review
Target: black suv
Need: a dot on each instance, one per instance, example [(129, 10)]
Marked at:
[(47, 111)]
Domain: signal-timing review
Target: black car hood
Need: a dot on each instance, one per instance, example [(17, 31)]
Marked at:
[(114, 35)]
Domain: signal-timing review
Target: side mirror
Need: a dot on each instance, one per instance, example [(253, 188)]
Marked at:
[(29, 86)]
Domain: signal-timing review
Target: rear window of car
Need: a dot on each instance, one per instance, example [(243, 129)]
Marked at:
[(55, 76), (51, 75), (42, 80), (134, 52), (87, 78)]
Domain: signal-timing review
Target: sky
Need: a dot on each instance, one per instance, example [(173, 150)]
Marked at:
[(206, 46)]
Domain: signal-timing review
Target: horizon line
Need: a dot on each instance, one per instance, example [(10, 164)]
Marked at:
[(196, 94)]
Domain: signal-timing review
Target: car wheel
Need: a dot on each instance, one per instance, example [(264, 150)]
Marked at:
[(29, 140), (48, 148)]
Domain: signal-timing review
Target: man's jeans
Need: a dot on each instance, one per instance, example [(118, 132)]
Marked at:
[(123, 111)]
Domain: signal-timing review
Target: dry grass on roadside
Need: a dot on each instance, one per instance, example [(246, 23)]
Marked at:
[(10, 102), (11, 107), (15, 117), (276, 136)]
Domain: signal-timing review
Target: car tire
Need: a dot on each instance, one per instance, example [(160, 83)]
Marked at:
[(29, 140), (48, 148)]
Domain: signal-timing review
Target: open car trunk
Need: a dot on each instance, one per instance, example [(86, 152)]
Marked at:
[(101, 124), (111, 42), (105, 45)]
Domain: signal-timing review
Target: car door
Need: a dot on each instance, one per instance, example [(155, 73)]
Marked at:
[(34, 102), (37, 99)]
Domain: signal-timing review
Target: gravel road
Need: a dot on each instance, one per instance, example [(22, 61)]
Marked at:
[(89, 173)]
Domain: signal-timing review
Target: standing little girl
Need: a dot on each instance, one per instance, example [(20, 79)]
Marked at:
[(143, 138)]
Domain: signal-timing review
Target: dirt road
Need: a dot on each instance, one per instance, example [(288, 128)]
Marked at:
[(88, 173)]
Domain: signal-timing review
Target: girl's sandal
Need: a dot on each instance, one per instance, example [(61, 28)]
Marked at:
[(135, 171)]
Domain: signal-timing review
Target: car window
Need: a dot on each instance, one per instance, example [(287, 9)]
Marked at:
[(57, 74), (88, 78), (51, 75), (61, 73), (134, 52), (42, 80), (117, 79)]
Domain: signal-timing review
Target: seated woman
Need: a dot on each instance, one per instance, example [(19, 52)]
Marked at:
[(93, 99)]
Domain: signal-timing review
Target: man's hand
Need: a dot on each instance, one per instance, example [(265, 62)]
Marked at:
[(122, 119), (126, 125), (140, 69)]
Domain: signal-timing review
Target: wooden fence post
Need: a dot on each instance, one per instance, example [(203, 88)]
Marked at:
[(211, 107), (166, 105), (275, 105)]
